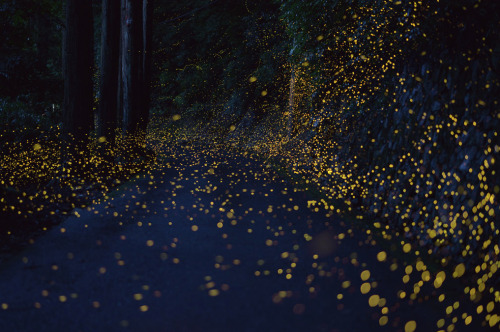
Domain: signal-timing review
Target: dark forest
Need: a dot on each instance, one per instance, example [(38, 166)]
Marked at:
[(249, 165)]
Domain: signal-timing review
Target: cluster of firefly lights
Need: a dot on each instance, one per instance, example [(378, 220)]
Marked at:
[(433, 226)]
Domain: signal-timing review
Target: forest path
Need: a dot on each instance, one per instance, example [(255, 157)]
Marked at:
[(208, 241)]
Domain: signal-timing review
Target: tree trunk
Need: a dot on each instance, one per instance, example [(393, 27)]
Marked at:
[(119, 115), (132, 69), (110, 53), (147, 59), (77, 70)]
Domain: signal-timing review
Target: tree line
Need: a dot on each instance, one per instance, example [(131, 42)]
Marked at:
[(124, 89)]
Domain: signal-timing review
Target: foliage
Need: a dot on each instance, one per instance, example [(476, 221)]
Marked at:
[(215, 51), (30, 51)]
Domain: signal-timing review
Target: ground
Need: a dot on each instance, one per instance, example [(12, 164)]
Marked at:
[(210, 241)]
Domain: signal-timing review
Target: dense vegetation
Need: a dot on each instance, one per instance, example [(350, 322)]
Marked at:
[(388, 108)]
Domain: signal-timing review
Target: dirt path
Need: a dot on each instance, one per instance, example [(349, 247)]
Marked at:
[(208, 242)]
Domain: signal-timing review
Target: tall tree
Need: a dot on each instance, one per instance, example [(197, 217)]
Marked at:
[(77, 70), (132, 67), (147, 58), (135, 85), (110, 53), (120, 63)]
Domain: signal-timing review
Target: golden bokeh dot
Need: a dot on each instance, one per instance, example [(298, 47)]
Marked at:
[(382, 256), (410, 326)]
